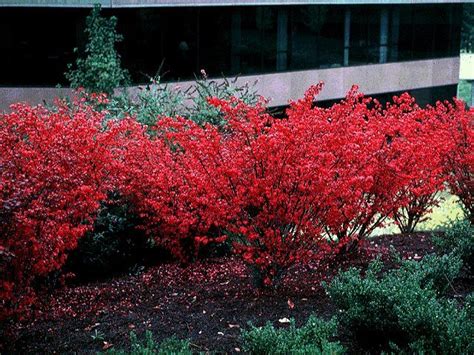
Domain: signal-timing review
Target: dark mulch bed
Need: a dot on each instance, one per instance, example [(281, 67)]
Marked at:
[(208, 302)]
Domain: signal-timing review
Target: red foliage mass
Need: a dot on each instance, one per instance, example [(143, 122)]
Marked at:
[(287, 191), (283, 192), (54, 171), (459, 163)]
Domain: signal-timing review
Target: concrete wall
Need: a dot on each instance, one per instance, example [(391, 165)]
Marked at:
[(174, 3), (280, 87)]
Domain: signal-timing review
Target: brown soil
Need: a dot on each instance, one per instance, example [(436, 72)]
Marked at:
[(208, 302)]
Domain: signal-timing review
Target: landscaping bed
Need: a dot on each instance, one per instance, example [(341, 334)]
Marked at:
[(208, 302)]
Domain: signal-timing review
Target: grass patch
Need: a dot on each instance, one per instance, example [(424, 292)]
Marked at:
[(448, 211), (464, 91)]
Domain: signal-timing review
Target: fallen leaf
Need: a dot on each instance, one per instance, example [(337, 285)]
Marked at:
[(284, 320), (90, 327), (291, 305), (107, 345)]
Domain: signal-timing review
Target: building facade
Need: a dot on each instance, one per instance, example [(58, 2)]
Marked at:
[(383, 46)]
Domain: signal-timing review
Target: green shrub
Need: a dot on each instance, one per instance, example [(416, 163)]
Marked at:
[(99, 70), (157, 99), (312, 338), (435, 272), (201, 112), (149, 346), (114, 244), (402, 310), (151, 102), (458, 238)]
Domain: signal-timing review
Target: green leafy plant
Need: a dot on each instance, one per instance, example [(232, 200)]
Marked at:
[(157, 100), (435, 272), (114, 244), (151, 102), (402, 309), (312, 338), (99, 70), (149, 346), (201, 112), (467, 29), (458, 238), (97, 335)]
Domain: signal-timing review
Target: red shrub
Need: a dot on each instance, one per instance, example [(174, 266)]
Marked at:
[(161, 190), (424, 141), (283, 189), (367, 164), (266, 181), (54, 170), (286, 191), (388, 161), (459, 163), (259, 180)]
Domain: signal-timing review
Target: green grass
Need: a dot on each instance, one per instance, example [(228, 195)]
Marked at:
[(464, 91), (449, 210)]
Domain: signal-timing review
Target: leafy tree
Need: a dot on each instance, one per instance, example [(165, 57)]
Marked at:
[(99, 71), (467, 31)]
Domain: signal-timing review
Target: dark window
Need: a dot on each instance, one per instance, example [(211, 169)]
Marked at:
[(456, 30), (142, 47), (331, 37), (306, 22), (258, 40), (364, 35), (37, 43), (317, 37), (423, 32), (215, 41), (429, 31)]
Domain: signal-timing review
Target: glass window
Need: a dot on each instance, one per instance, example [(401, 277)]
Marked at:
[(215, 41), (317, 37), (306, 22), (405, 42), (365, 35), (423, 32), (37, 44), (331, 37), (142, 47), (429, 31), (155, 38), (258, 40)]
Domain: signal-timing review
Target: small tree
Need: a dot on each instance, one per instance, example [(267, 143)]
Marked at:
[(467, 30), (99, 71)]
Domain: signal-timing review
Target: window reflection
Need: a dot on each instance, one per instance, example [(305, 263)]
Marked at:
[(37, 44), (317, 37)]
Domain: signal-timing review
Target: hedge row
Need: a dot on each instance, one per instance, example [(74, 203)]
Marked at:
[(281, 191)]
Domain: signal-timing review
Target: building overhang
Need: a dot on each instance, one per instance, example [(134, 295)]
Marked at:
[(196, 3), (372, 79)]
